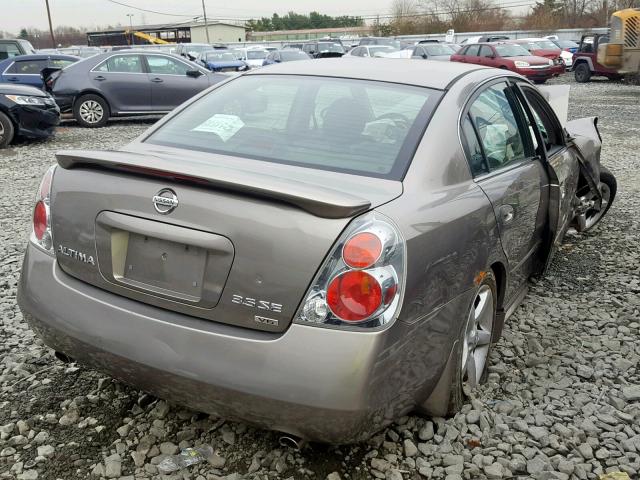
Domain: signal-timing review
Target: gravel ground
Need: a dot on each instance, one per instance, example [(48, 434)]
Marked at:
[(562, 400)]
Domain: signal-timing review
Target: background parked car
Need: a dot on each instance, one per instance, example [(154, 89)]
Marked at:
[(507, 56), (221, 61), (127, 83), (285, 55), (541, 47), (80, 51), (12, 47), (484, 39), (371, 51), (254, 57), (391, 42), (566, 45), (323, 49), (26, 112), (433, 51), (191, 50), (585, 60), (27, 69)]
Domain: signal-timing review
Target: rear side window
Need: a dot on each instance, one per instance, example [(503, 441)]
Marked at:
[(28, 67), (121, 64), (355, 126), (59, 63)]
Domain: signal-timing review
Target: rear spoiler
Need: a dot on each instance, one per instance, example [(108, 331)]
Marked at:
[(316, 199)]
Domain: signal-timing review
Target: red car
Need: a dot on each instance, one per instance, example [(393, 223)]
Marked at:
[(541, 47), (508, 56)]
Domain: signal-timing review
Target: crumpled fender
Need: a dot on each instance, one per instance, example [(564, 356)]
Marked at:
[(584, 135)]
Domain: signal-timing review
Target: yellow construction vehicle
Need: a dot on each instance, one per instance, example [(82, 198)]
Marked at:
[(622, 51), (144, 36)]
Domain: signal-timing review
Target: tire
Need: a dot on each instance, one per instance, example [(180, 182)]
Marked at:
[(608, 189), (6, 130), (461, 382), (91, 111), (582, 73)]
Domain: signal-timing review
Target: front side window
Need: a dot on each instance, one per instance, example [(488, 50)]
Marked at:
[(356, 126), (59, 63), (161, 65), (8, 50), (473, 50), (494, 114), (122, 64), (486, 51)]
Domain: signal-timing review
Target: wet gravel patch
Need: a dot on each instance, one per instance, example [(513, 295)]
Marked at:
[(562, 400)]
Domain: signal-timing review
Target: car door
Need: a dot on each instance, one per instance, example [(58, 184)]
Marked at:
[(122, 80), (472, 54), (25, 72), (486, 56), (511, 174), (170, 84), (563, 166)]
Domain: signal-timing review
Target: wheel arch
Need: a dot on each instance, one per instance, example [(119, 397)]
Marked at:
[(500, 274), (92, 92)]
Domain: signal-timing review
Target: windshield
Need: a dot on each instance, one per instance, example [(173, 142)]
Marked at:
[(256, 54), (293, 55), (566, 44), (545, 45), (226, 56), (356, 126), (505, 50), (330, 47), (438, 49)]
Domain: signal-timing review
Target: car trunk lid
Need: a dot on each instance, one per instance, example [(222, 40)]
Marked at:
[(236, 245)]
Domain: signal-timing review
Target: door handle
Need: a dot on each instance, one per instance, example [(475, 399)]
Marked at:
[(157, 80), (506, 213), (13, 79), (99, 78)]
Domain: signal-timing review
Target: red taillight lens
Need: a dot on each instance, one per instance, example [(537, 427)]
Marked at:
[(40, 220), (354, 296), (362, 250)]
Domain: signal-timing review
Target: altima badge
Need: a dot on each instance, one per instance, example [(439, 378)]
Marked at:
[(165, 201), (76, 255)]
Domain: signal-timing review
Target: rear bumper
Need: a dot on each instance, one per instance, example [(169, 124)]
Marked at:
[(321, 384)]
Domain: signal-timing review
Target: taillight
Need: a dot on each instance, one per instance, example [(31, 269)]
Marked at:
[(41, 234), (360, 283)]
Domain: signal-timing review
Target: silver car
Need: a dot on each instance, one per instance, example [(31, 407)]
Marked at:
[(318, 247)]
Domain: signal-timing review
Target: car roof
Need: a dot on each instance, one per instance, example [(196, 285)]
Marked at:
[(43, 56), (432, 74)]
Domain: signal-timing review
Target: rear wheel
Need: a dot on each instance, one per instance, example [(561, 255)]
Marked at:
[(91, 111), (590, 214), (475, 343), (582, 73), (6, 130)]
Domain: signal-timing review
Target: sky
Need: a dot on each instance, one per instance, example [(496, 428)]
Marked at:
[(97, 13)]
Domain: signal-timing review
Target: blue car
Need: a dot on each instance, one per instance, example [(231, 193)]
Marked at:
[(221, 61), (25, 69)]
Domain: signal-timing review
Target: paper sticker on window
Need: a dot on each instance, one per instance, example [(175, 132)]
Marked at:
[(225, 126)]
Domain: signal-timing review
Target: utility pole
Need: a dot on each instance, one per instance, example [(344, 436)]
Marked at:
[(206, 25), (130, 15), (53, 38)]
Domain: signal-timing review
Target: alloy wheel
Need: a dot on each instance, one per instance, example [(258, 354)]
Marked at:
[(477, 337), (1, 132), (91, 111), (590, 215)]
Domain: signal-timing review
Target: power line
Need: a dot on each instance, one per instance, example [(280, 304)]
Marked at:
[(151, 11)]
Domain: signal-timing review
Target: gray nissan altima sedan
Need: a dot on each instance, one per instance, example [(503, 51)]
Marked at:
[(318, 247)]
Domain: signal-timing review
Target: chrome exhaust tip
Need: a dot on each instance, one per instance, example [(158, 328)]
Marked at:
[(64, 358), (290, 441)]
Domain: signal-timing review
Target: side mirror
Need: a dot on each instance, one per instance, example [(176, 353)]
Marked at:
[(425, 56), (194, 73)]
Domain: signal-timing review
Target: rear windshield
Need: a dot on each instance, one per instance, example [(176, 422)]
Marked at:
[(546, 45), (354, 126)]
